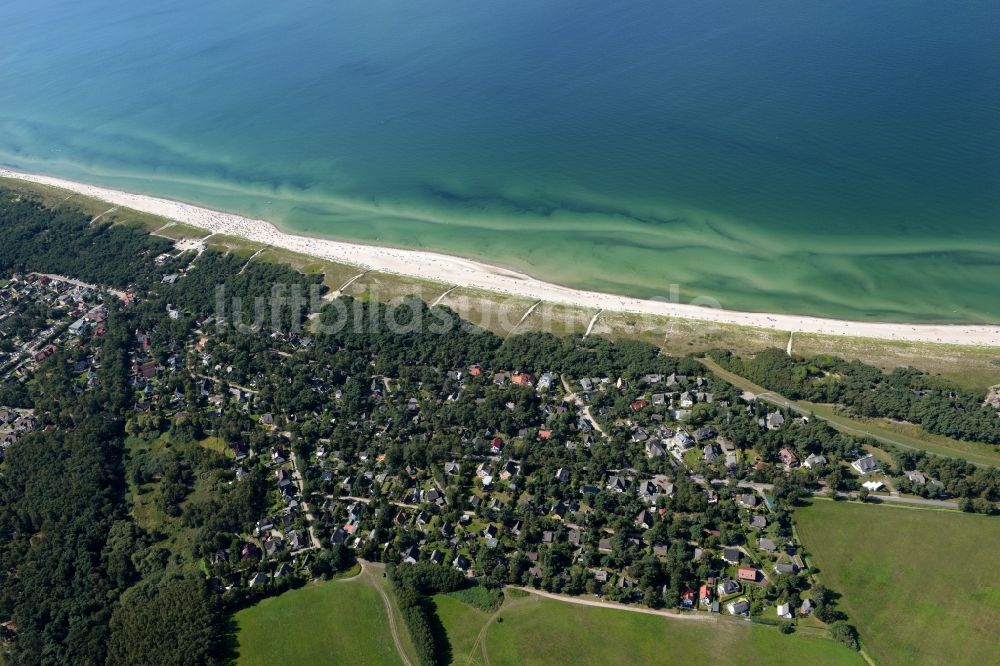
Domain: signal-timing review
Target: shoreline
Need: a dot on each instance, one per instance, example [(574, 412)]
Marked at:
[(458, 271)]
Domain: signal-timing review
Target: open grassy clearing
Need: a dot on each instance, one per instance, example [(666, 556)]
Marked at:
[(146, 498), (906, 436), (973, 368), (919, 585), (534, 630), (331, 622)]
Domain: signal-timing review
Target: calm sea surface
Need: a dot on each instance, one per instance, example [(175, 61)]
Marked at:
[(831, 158)]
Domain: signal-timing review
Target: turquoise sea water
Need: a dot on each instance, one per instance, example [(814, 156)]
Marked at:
[(839, 158)]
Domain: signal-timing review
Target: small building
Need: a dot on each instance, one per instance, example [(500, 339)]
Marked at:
[(740, 607), (788, 458), (865, 464), (727, 587), (814, 460)]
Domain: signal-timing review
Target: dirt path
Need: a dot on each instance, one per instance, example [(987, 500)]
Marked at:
[(696, 617), (365, 570)]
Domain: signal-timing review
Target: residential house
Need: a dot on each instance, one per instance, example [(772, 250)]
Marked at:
[(523, 379), (866, 464), (706, 432), (653, 449), (617, 484), (814, 460), (767, 545), (774, 420), (727, 587), (732, 555), (509, 470), (788, 458), (741, 607)]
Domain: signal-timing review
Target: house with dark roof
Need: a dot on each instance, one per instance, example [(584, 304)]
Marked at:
[(866, 464), (740, 607)]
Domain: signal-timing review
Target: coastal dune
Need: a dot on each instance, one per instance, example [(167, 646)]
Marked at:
[(453, 270)]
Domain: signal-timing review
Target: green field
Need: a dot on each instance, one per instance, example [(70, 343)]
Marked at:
[(333, 622), (534, 630), (919, 585)]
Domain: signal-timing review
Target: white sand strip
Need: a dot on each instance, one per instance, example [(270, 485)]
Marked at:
[(593, 321), (476, 275)]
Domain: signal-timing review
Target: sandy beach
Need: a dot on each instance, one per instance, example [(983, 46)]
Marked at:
[(456, 271)]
